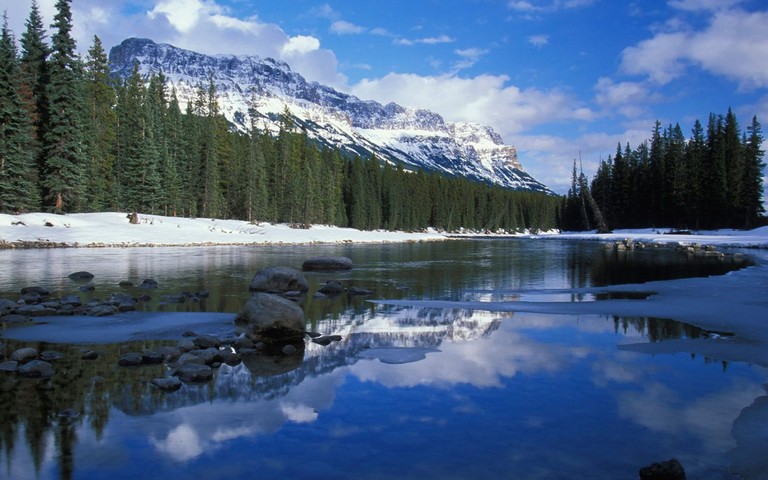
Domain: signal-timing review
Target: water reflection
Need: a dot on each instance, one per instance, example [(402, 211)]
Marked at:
[(449, 349)]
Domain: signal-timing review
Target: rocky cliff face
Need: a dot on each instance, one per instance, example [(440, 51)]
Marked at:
[(256, 91)]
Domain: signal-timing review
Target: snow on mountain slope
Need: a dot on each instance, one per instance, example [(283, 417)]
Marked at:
[(252, 90)]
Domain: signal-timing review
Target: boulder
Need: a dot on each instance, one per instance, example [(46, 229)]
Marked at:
[(7, 306), (24, 355), (668, 470), (278, 280), (36, 369), (359, 291), (80, 276), (38, 290), (167, 384), (131, 359), (51, 355), (206, 341), (73, 300), (9, 366), (331, 288), (149, 283), (271, 318), (326, 264), (191, 372)]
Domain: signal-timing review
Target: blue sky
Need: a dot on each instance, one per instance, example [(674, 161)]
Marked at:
[(555, 78)]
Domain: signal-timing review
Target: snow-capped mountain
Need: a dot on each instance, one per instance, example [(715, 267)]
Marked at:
[(252, 89)]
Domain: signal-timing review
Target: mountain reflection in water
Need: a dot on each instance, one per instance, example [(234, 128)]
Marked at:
[(406, 393)]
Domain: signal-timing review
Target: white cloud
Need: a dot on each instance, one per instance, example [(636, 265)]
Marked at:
[(700, 5), (733, 45), (538, 40), (468, 57), (630, 99), (426, 40), (524, 6), (300, 45), (342, 27), (486, 99), (183, 15)]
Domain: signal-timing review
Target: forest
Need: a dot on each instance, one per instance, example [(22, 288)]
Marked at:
[(75, 139), (713, 179)]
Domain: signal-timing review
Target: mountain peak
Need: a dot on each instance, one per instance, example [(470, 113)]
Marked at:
[(251, 89)]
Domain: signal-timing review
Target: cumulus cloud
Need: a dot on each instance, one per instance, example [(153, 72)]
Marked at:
[(487, 99), (468, 57), (700, 5), (630, 99), (733, 45), (524, 6)]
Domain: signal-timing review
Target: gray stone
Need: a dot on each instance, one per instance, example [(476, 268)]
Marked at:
[(289, 349), (89, 355), (151, 357), (190, 359), (71, 300), (327, 264), (206, 341), (51, 355), (278, 279), (30, 298), (38, 290), (79, 276), (209, 355), (270, 318), (101, 311), (331, 288), (9, 366), (359, 291), (36, 369), (185, 345), (170, 384), (149, 283), (131, 359), (24, 355), (194, 373), (7, 306)]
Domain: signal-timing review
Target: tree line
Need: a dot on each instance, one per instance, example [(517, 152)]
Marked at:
[(75, 139), (712, 179)]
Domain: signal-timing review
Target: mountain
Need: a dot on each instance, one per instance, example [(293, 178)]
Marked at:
[(252, 89)]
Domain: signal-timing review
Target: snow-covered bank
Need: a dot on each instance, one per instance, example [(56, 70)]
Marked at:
[(757, 238), (114, 230)]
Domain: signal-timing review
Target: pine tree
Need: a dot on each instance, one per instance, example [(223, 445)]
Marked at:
[(17, 190), (64, 157), (35, 78), (750, 202), (101, 130)]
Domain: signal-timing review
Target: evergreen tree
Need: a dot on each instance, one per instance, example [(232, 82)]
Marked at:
[(18, 192), (750, 203), (64, 153), (101, 130), (34, 80)]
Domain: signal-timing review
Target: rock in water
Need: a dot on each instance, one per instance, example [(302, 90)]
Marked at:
[(669, 470), (81, 276), (327, 264), (278, 280), (271, 318)]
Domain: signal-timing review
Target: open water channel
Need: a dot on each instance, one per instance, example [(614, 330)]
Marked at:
[(406, 393)]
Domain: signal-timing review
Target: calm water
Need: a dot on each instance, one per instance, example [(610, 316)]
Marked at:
[(407, 393)]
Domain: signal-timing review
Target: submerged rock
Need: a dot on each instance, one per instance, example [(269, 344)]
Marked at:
[(192, 372), (170, 384), (131, 359), (327, 264), (331, 287)]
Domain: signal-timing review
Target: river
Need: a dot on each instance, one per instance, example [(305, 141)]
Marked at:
[(406, 392)]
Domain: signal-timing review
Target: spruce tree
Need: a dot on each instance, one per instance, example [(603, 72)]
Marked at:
[(35, 77), (64, 154), (18, 192), (101, 130), (750, 202)]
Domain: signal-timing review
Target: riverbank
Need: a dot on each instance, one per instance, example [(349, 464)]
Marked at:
[(113, 229)]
